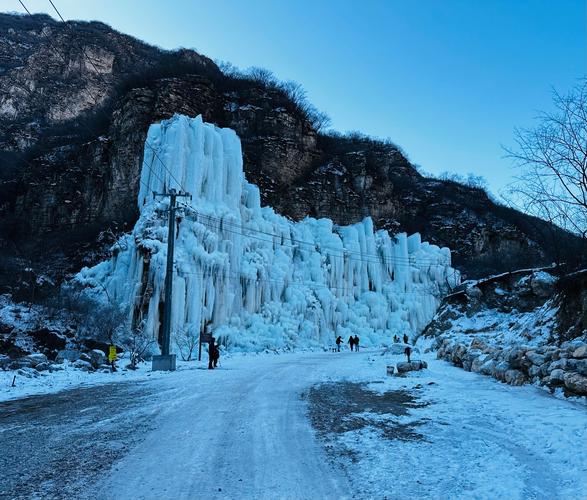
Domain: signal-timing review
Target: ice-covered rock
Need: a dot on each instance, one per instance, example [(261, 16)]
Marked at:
[(97, 357), (414, 365), (70, 355), (36, 359), (535, 358), (83, 365), (580, 352), (259, 278)]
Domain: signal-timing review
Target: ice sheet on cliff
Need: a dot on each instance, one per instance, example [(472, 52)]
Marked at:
[(263, 280)]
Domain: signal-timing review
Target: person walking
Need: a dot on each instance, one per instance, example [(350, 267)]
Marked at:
[(338, 342), (356, 339), (351, 342), (406, 339), (407, 352)]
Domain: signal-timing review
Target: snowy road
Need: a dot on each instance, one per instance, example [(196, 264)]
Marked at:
[(243, 431), (246, 435)]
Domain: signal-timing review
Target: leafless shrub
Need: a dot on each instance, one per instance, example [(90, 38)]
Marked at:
[(186, 340), (138, 343)]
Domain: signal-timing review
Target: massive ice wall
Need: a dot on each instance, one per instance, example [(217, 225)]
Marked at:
[(261, 279)]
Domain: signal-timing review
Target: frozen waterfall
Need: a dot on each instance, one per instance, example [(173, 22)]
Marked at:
[(262, 280)]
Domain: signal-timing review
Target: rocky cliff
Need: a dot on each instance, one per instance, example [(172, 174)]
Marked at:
[(76, 100), (522, 327)]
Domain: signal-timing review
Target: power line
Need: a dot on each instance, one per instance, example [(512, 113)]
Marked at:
[(365, 257)]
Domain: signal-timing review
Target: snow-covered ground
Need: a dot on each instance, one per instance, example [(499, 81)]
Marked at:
[(243, 431)]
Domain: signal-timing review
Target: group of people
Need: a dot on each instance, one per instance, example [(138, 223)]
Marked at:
[(352, 341), (406, 339)]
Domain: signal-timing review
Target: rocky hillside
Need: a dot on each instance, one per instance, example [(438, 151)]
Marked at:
[(520, 327), (76, 100)]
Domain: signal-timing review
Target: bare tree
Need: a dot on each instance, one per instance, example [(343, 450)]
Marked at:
[(138, 343), (186, 340), (552, 161)]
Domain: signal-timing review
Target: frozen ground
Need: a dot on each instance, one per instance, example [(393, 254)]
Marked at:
[(303, 425)]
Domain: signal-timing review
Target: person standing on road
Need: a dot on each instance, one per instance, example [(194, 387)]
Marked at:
[(338, 342), (407, 352), (406, 338), (211, 355), (356, 339), (351, 342), (216, 354)]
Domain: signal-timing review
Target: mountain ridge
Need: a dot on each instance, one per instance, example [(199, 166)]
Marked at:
[(69, 173)]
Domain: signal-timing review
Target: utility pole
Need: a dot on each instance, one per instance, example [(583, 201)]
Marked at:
[(167, 361)]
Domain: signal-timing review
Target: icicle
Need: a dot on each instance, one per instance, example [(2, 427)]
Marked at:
[(263, 280)]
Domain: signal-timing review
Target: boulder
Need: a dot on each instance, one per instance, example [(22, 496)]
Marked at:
[(83, 365), (557, 377), (500, 369), (514, 377), (469, 357), (576, 383), (4, 361), (478, 363), (70, 355), (28, 372), (544, 369), (542, 284), (514, 358), (411, 366), (581, 366), (559, 364), (535, 358), (534, 371), (477, 344), (41, 367), (457, 355), (488, 368), (17, 364), (580, 352), (36, 359), (56, 368), (97, 357), (84, 356), (50, 339)]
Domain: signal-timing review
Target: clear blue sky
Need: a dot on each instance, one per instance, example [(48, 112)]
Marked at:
[(447, 80)]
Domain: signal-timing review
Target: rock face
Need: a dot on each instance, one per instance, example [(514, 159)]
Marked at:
[(70, 173)]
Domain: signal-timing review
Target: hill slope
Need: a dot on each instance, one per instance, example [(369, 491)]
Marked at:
[(76, 100)]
